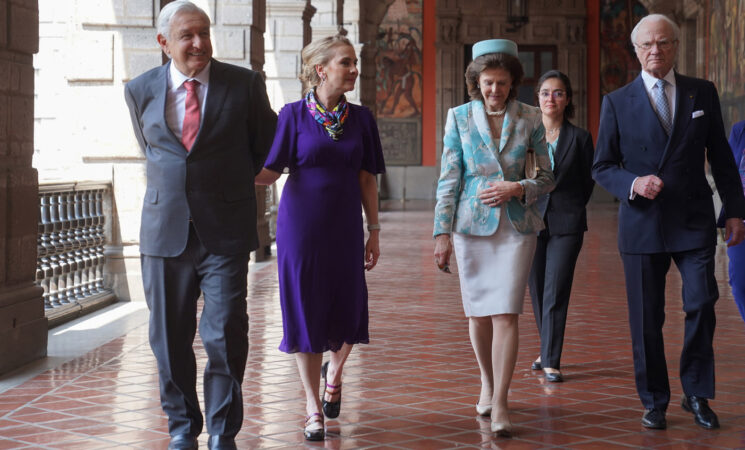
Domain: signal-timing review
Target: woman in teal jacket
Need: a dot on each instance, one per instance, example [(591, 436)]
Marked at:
[(494, 167)]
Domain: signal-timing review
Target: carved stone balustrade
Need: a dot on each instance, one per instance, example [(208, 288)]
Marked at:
[(71, 239)]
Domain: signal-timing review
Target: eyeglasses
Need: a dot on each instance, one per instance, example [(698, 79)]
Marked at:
[(557, 94), (663, 45)]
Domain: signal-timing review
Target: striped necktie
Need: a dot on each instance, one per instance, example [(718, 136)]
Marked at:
[(663, 106)]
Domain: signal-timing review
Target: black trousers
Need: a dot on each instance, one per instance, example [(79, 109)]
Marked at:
[(172, 287), (645, 289), (550, 286)]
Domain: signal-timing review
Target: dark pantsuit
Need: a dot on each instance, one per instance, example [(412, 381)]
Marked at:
[(172, 287), (550, 287), (645, 286)]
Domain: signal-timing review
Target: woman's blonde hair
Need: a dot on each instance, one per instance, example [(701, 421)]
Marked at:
[(319, 52)]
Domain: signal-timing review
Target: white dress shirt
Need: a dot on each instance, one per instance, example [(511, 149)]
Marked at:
[(176, 97), (650, 83)]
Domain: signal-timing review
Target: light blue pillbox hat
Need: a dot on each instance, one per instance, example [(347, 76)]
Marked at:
[(494, 46)]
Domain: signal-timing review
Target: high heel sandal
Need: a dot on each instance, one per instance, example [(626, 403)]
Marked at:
[(311, 431), (330, 409), (502, 429), (483, 410)]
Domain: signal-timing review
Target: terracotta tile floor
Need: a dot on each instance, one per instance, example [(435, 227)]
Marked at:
[(415, 385)]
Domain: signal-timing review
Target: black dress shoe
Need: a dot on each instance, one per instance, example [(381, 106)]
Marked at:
[(183, 442), (655, 419), (536, 365), (702, 414), (554, 377), (221, 443)]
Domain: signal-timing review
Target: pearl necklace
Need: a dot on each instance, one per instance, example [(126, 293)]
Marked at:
[(497, 113), (552, 131)]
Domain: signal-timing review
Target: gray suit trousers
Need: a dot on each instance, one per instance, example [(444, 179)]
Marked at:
[(172, 287)]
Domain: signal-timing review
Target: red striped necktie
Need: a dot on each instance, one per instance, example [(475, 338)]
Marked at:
[(190, 127)]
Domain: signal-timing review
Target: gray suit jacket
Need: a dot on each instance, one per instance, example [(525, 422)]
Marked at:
[(213, 184)]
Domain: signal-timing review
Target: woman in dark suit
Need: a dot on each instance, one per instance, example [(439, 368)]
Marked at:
[(564, 215)]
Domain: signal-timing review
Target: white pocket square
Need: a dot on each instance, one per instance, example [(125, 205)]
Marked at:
[(698, 113)]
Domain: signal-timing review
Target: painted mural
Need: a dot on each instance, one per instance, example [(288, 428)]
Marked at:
[(726, 53), (399, 83), (399, 61), (618, 63)]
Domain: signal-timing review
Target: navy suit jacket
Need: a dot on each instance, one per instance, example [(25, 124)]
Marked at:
[(632, 143), (213, 184)]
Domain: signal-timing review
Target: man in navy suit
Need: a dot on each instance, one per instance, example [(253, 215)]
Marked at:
[(205, 128), (655, 135)]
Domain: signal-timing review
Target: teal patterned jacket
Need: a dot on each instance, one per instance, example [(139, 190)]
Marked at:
[(470, 160)]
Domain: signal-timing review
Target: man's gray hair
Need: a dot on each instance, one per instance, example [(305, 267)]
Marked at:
[(173, 8), (655, 17)]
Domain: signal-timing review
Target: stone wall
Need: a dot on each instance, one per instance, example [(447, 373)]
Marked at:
[(23, 327)]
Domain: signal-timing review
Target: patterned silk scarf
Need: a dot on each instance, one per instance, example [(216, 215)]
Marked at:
[(332, 120)]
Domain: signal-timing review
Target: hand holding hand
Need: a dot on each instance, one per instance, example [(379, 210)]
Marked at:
[(500, 192), (648, 186)]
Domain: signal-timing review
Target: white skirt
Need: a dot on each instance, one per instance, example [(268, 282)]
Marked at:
[(494, 269)]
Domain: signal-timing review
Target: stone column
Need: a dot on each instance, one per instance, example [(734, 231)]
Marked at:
[(371, 14), (340, 17), (308, 14), (449, 77), (256, 56), (23, 326)]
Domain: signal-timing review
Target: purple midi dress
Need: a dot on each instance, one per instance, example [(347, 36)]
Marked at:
[(320, 239)]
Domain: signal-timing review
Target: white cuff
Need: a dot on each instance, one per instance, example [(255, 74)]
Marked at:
[(632, 194)]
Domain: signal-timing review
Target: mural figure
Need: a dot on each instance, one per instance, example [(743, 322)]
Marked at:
[(726, 52), (618, 63), (399, 61), (397, 70)]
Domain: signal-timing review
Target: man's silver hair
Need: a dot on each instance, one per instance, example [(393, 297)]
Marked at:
[(176, 7), (655, 17)]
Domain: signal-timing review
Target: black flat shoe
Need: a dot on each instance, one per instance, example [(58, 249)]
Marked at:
[(702, 413), (330, 409), (553, 377), (655, 419), (536, 365)]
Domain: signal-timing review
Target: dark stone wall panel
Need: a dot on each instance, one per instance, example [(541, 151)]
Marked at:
[(23, 326)]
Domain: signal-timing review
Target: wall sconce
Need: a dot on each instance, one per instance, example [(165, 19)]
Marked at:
[(517, 14)]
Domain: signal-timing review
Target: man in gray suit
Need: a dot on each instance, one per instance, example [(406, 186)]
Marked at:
[(205, 128)]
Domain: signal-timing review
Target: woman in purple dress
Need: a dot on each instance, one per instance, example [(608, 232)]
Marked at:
[(331, 150)]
